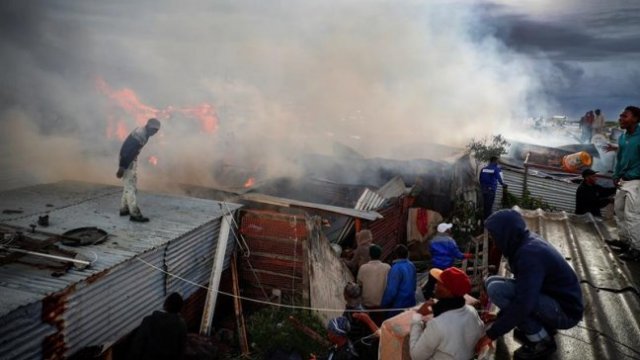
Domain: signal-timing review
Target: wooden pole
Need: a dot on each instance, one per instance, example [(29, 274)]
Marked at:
[(216, 273), (237, 304)]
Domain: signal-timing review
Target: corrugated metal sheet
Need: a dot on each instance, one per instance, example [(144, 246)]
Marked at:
[(610, 328), (391, 229), (102, 303), (369, 200), (559, 194), (357, 212), (278, 248), (394, 188), (22, 332)]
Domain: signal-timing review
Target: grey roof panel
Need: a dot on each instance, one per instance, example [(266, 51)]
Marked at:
[(610, 328), (105, 301)]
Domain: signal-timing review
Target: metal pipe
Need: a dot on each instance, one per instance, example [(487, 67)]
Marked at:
[(48, 256), (526, 173)]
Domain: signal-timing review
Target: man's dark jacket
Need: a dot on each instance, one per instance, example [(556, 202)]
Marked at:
[(161, 335), (590, 198), (538, 268)]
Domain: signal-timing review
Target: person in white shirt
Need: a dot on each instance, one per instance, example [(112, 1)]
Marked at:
[(455, 328)]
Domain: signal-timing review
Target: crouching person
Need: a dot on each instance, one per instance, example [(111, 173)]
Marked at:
[(455, 328), (544, 294)]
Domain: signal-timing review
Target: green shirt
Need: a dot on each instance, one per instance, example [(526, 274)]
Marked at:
[(628, 157)]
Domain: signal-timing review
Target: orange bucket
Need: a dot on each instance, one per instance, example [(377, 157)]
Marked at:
[(576, 162)]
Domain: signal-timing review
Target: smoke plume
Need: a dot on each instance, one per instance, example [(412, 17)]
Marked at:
[(282, 78)]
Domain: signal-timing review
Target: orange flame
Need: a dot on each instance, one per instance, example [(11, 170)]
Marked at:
[(205, 113), (250, 182), (153, 160), (127, 100)]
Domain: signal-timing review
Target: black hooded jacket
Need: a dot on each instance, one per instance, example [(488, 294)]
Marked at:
[(538, 268)]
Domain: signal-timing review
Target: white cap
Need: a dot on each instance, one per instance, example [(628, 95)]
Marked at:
[(444, 227)]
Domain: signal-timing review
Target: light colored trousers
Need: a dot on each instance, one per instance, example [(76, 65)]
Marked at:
[(627, 208), (130, 179)]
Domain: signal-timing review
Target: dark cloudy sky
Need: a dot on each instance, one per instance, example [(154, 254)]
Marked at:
[(285, 76), (593, 48)]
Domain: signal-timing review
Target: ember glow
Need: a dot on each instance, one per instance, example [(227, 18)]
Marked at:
[(250, 182), (128, 101), (153, 160)]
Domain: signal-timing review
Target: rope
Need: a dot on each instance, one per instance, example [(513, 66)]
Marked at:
[(262, 301), (243, 246)]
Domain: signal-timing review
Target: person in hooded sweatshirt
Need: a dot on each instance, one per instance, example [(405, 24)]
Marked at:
[(128, 168), (543, 295)]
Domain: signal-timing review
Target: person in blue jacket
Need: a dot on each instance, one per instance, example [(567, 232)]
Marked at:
[(128, 168), (400, 292), (490, 176), (444, 253), (543, 295)]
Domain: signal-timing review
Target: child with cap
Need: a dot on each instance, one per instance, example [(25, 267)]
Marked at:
[(444, 253), (455, 328)]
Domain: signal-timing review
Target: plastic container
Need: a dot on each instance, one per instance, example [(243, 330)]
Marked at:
[(577, 162)]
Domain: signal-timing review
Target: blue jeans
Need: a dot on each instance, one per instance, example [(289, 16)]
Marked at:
[(547, 315)]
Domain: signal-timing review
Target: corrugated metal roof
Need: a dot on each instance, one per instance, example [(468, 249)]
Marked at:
[(393, 188), (557, 193), (102, 303), (357, 213), (610, 328)]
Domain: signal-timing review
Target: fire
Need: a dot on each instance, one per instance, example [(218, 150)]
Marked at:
[(127, 100), (153, 160), (250, 182), (205, 113)]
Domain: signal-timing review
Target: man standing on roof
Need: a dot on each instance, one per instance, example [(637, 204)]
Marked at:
[(444, 253), (401, 283), (455, 328), (543, 295), (127, 170), (490, 176), (626, 177), (590, 197)]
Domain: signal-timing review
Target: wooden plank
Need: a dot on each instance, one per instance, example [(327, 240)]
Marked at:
[(242, 330), (216, 273)]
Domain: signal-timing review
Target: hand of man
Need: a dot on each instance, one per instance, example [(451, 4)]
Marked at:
[(505, 186), (468, 255), (616, 182), (484, 342), (416, 317), (425, 309), (120, 173)]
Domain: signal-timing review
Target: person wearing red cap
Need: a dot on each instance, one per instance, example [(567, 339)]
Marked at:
[(455, 328)]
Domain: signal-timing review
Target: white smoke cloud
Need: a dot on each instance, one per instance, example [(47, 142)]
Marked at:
[(283, 77)]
